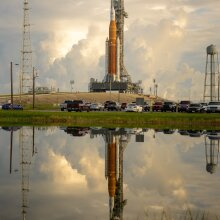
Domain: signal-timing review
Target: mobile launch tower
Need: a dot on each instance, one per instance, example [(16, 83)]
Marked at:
[(116, 76)]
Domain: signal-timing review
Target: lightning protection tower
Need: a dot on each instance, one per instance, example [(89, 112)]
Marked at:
[(211, 85), (121, 14), (26, 53)]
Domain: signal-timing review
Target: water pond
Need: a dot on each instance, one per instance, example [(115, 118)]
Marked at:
[(64, 173)]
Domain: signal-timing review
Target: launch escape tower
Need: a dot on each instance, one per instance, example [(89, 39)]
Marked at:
[(120, 15), (211, 84), (116, 76), (26, 53)]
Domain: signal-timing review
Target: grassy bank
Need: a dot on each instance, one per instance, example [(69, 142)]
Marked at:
[(111, 119)]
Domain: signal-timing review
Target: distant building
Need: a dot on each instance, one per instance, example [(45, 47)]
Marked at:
[(40, 90)]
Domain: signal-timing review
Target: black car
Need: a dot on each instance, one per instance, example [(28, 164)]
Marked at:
[(113, 106), (146, 107), (6, 106), (169, 106), (204, 106), (124, 105), (194, 107), (106, 104)]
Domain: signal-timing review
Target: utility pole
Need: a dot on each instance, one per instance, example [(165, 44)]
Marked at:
[(11, 86), (156, 86), (33, 89), (33, 92), (11, 149), (11, 79), (154, 81)]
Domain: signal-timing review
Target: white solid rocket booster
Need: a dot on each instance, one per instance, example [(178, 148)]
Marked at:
[(106, 58), (118, 60)]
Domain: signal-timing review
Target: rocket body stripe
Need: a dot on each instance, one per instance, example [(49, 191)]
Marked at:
[(112, 168)]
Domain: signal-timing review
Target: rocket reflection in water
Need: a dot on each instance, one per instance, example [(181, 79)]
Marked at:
[(114, 148)]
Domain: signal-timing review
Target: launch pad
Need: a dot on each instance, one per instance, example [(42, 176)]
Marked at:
[(116, 76), (121, 87)]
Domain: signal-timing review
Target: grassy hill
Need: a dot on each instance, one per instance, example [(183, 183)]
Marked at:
[(57, 98)]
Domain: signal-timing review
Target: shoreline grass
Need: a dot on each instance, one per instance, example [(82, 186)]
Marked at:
[(111, 119)]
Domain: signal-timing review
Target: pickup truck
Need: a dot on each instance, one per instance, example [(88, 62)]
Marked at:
[(78, 106), (63, 106)]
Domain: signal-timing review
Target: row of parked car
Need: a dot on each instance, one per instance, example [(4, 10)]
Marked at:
[(162, 106), (187, 106), (69, 105)]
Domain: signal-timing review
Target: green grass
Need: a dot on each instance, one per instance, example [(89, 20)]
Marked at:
[(111, 119), (41, 107)]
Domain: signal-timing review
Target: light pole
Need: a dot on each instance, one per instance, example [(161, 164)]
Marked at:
[(156, 86), (154, 80), (12, 85), (11, 77), (71, 85), (110, 89)]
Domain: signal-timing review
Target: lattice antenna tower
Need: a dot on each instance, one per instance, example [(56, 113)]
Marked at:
[(120, 16), (26, 53)]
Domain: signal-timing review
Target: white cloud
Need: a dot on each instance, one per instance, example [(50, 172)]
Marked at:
[(62, 173), (165, 40)]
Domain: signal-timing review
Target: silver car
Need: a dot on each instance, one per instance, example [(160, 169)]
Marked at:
[(96, 107), (132, 107), (213, 107)]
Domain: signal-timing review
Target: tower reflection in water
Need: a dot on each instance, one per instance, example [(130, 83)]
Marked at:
[(27, 151), (212, 140)]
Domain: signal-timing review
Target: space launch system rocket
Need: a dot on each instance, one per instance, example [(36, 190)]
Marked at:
[(112, 50)]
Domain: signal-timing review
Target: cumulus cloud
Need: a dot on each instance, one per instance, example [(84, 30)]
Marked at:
[(79, 64), (165, 40), (62, 173)]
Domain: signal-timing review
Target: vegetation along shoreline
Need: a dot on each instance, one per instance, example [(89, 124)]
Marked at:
[(111, 119)]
